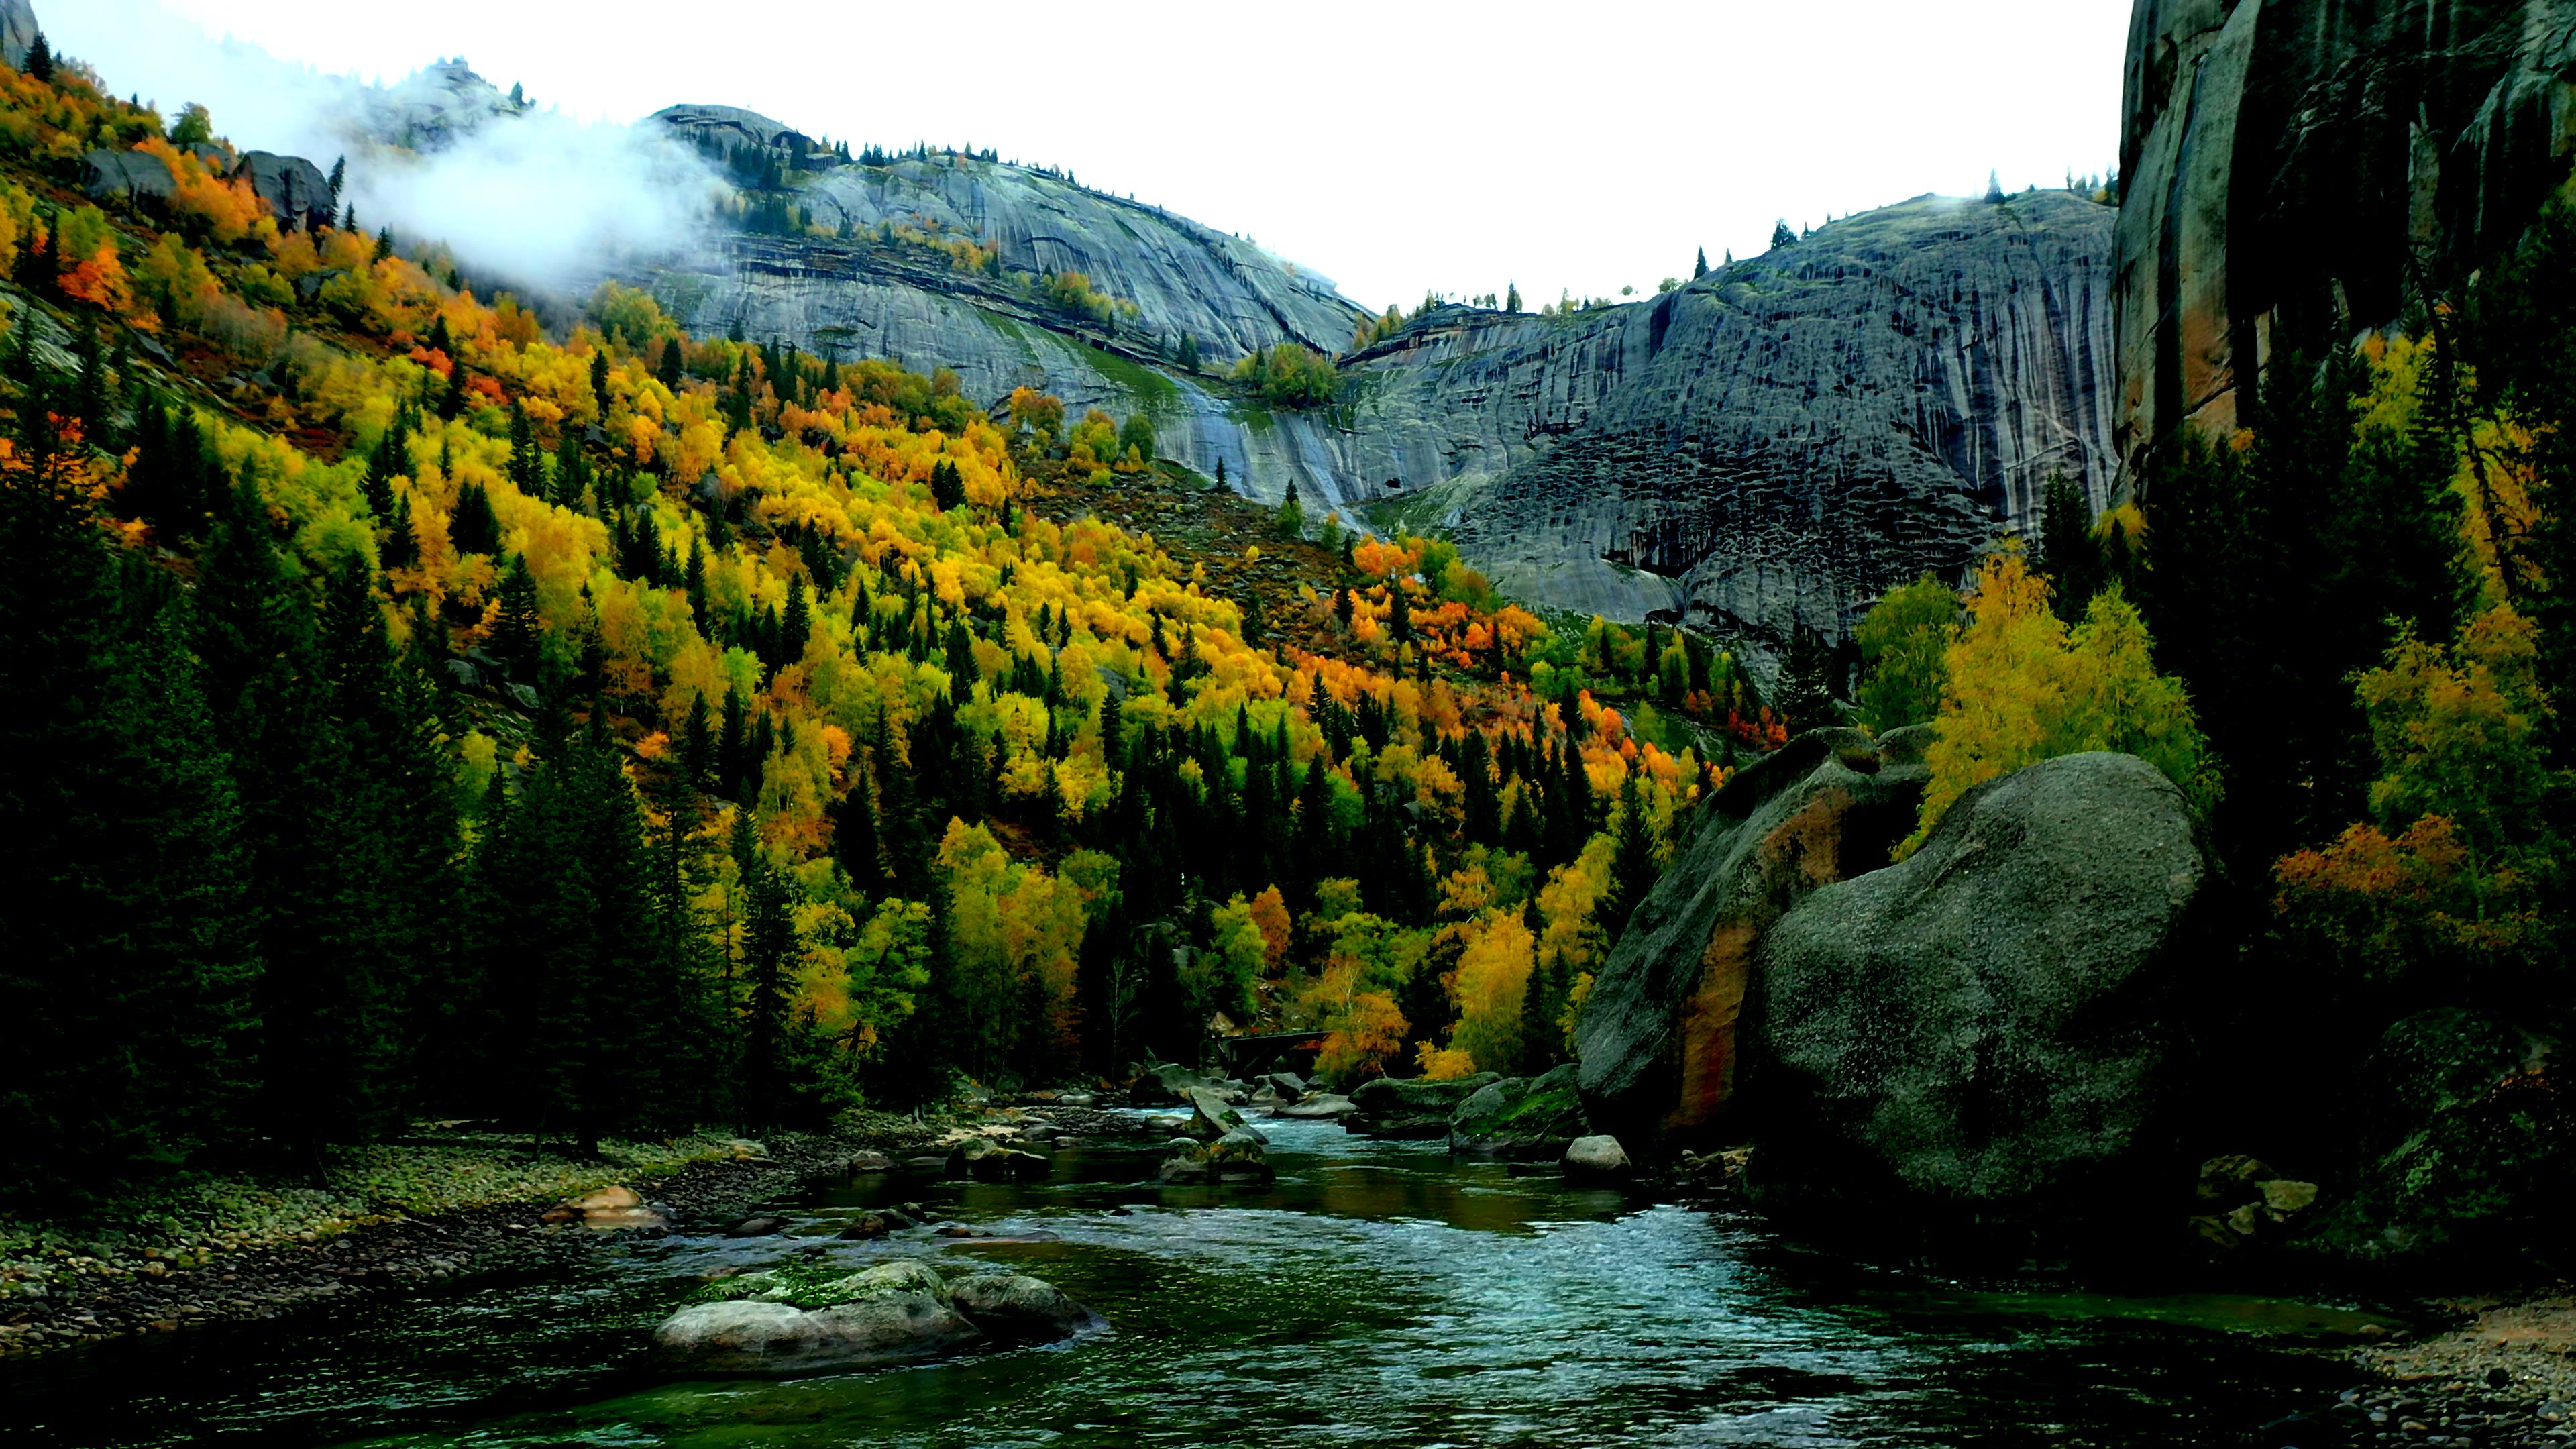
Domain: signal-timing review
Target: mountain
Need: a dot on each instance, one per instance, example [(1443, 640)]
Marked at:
[(2304, 168), (1769, 447)]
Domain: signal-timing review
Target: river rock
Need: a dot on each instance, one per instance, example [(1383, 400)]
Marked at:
[(612, 1209), (2469, 1153), (789, 1323), (1186, 1164), (757, 1227), (1320, 1107), (871, 1162), (1597, 1157), (1527, 1117), (1007, 1165), (1412, 1107), (1658, 1039), (1987, 1036), (1018, 1308), (1287, 1086), (1169, 1083), (1211, 1117)]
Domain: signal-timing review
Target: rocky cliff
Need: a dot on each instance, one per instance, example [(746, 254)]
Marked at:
[(1772, 445), (1780, 441), (17, 31), (2294, 170)]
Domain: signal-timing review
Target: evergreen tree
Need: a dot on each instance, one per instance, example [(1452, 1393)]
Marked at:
[(40, 59), (133, 950), (1512, 298), (1632, 862), (1292, 513), (2067, 553), (474, 528), (1781, 236), (1699, 265), (770, 948), (519, 631)]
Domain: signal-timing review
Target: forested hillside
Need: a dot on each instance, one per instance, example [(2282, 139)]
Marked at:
[(419, 706)]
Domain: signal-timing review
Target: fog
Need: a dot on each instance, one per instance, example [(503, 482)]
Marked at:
[(538, 197)]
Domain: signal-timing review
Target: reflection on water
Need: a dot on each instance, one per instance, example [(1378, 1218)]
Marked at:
[(1377, 1294)]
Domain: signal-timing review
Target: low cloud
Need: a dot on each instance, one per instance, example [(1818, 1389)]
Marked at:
[(533, 196)]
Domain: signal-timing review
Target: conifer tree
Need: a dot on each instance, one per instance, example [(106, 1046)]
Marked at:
[(133, 949), (1699, 265)]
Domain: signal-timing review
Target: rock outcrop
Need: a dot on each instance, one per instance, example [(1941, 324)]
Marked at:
[(2293, 170), (294, 188), (1986, 1037), (1780, 441), (17, 31), (1658, 1038)]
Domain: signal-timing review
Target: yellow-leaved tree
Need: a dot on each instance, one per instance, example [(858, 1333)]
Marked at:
[(2023, 687)]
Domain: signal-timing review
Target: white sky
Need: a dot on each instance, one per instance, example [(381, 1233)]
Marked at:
[(1392, 145)]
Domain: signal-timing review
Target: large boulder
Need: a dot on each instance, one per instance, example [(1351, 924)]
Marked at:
[(294, 188), (1169, 1082), (812, 1318), (1317, 1107), (1985, 1036), (127, 176), (1527, 1117), (1210, 1117), (1017, 1307), (2469, 1153), (1658, 1038), (805, 1320), (1412, 1107), (1600, 1159)]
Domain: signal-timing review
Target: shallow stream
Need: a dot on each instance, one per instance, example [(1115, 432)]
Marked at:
[(1378, 1294)]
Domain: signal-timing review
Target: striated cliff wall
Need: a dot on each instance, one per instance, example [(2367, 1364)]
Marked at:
[(2295, 170), (1782, 440)]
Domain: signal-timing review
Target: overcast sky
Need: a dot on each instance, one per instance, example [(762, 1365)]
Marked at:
[(1393, 145)]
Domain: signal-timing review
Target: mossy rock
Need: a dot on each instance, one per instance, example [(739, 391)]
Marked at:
[(1524, 1117), (810, 1286)]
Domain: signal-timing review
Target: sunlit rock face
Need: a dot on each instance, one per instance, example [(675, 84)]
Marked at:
[(2296, 170), (1768, 447)]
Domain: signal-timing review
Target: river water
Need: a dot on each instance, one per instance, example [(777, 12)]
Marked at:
[(1378, 1294)]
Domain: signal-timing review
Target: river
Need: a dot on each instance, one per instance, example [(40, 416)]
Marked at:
[(1379, 1294)]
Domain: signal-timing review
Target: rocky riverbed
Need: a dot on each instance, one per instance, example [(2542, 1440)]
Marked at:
[(83, 1297)]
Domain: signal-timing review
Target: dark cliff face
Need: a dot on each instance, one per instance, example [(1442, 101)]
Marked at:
[(2295, 170)]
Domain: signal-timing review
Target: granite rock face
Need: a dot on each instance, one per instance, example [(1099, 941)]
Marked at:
[(1777, 443), (17, 31), (2287, 164), (294, 188), (1990, 1036), (1658, 1039)]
